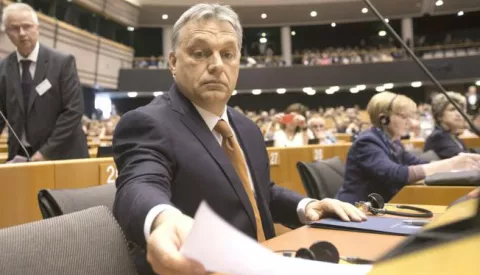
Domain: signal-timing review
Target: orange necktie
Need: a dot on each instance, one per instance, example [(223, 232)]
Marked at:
[(234, 153)]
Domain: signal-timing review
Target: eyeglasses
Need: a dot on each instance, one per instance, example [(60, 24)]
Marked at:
[(320, 126), (405, 117), (24, 27)]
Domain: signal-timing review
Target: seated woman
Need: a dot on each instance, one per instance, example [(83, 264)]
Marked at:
[(378, 163), (293, 127), (444, 139)]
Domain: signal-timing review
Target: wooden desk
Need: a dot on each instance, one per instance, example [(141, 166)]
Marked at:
[(430, 195), (3, 157), (80, 173)]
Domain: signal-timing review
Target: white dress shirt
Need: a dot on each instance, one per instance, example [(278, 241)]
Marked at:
[(32, 57), (211, 120)]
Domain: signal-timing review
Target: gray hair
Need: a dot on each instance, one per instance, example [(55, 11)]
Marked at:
[(440, 103), (15, 7), (208, 11)]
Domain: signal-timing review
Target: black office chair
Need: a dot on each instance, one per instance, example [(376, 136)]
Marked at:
[(54, 203), (322, 179), (269, 143), (105, 151)]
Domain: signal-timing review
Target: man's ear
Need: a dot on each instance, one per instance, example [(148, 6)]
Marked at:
[(172, 63)]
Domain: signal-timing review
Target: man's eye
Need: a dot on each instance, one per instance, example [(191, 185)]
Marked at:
[(228, 55), (199, 54)]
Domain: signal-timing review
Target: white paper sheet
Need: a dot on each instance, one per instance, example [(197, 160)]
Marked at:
[(222, 248)]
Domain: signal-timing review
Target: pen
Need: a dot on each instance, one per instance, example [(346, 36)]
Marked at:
[(416, 222), (356, 260)]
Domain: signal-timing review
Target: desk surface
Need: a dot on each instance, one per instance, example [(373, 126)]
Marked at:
[(365, 245)]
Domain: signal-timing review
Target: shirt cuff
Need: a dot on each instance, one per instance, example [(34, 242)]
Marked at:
[(152, 214), (301, 209)]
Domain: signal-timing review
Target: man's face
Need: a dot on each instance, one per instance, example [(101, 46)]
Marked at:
[(22, 31), (206, 63)]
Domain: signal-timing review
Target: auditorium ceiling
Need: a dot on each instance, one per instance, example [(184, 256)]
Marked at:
[(299, 12)]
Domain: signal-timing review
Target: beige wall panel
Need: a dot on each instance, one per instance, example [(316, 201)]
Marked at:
[(123, 12)]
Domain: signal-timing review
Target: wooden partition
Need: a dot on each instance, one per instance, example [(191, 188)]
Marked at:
[(81, 173), (430, 195)]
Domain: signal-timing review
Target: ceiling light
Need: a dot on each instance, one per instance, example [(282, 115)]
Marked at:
[(234, 92), (335, 88), (132, 94), (130, 29), (460, 13), (329, 91), (307, 89), (364, 10), (354, 90), (439, 3), (388, 86), (382, 33), (293, 33), (263, 16), (333, 24), (165, 16), (361, 87), (263, 40), (313, 14), (416, 84), (256, 91), (380, 89), (281, 91), (387, 20), (264, 34), (155, 94), (311, 92), (477, 83)]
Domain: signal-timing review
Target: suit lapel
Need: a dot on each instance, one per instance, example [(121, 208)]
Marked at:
[(15, 80), (194, 122), (40, 71)]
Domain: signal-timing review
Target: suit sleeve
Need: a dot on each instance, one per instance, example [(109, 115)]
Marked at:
[(72, 100), (145, 166), (372, 158), (283, 205)]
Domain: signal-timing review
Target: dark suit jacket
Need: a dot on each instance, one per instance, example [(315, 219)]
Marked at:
[(443, 144), (53, 124), (166, 154), (372, 168)]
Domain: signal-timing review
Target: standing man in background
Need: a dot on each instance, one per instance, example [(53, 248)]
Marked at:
[(40, 93)]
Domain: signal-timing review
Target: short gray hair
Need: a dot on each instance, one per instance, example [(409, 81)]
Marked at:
[(15, 7), (208, 11), (440, 103)]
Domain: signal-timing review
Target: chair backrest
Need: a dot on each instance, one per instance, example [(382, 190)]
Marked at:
[(323, 178), (54, 203), (104, 151), (85, 242)]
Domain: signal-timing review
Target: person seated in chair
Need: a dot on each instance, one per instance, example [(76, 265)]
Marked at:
[(444, 139), (377, 162)]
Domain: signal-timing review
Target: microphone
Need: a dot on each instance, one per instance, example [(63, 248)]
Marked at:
[(422, 66), (10, 129)]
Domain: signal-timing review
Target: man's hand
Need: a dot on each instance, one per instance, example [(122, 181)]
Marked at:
[(37, 157), (163, 246), (317, 210)]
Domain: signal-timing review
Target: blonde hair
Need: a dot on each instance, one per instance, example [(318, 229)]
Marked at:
[(387, 103), (440, 103)]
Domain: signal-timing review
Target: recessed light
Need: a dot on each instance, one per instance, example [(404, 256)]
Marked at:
[(361, 87), (281, 91), (293, 33), (155, 94), (477, 83), (256, 91), (354, 90), (416, 84), (263, 16), (313, 13), (439, 3), (165, 16), (329, 91), (311, 92), (388, 86), (380, 89), (387, 20), (263, 40), (130, 29), (264, 34), (460, 13), (364, 10), (333, 24), (234, 92), (307, 89), (132, 94), (382, 33)]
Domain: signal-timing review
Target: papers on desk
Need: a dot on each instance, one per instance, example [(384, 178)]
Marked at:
[(222, 248)]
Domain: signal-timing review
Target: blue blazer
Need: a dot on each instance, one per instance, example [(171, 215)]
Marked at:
[(166, 154), (372, 167), (444, 144)]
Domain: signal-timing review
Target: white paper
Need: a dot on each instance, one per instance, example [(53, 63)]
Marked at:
[(222, 248), (43, 87)]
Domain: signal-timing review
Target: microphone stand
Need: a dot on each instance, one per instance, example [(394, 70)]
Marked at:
[(452, 231)]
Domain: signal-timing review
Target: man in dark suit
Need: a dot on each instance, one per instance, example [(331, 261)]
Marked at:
[(188, 146), (40, 93)]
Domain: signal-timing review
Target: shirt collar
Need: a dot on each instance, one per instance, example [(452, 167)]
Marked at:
[(33, 55), (210, 118)]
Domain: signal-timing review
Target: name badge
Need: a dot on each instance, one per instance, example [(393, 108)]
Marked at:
[(43, 87)]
